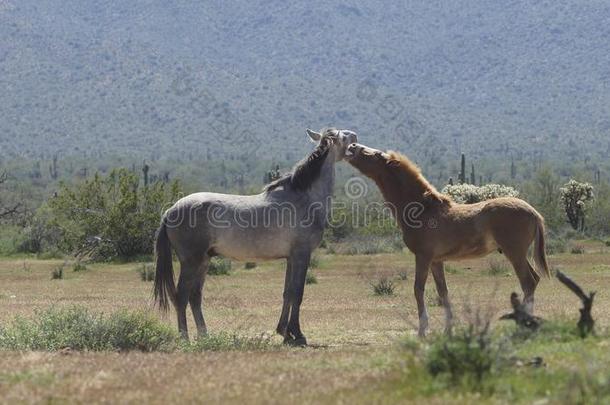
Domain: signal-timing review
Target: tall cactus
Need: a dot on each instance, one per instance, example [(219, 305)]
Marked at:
[(145, 169), (462, 176), (472, 175), (53, 168)]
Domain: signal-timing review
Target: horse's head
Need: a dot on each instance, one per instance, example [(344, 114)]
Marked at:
[(337, 139), (368, 160)]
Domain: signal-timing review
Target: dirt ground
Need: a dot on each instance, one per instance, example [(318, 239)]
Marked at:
[(353, 333)]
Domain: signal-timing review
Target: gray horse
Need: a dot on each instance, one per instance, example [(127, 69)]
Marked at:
[(285, 221)]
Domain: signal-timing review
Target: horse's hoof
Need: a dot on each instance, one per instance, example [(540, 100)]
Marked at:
[(296, 342)]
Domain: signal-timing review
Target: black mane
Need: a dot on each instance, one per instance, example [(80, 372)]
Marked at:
[(305, 172)]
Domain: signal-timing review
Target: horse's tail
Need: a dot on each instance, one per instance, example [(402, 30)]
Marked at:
[(539, 250), (165, 289)]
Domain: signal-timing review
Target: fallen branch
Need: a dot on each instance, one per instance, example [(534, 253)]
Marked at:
[(520, 314), (586, 322)]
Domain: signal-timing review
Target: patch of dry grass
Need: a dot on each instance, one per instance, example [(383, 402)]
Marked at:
[(352, 332)]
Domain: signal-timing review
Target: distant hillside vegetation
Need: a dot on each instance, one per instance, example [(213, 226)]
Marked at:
[(153, 79)]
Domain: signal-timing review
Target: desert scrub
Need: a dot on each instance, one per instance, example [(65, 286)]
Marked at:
[(78, 266), (467, 357), (314, 262), (310, 278), (577, 249), (250, 265), (369, 245), (555, 246), (497, 266), (219, 266), (79, 329), (383, 286), (58, 273), (146, 272)]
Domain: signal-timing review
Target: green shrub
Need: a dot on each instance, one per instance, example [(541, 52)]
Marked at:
[(402, 275), (250, 265), (79, 329), (219, 266), (554, 246), (50, 254), (314, 262), (383, 286), (108, 217), (577, 249), (310, 278), (467, 357), (146, 272), (498, 267), (78, 266), (608, 242), (58, 273)]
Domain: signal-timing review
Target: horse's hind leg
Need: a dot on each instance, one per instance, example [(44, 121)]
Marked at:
[(196, 297), (189, 274), (282, 326), (528, 278), (438, 273)]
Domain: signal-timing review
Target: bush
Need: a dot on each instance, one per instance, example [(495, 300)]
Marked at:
[(58, 273), (78, 266), (402, 275), (470, 194), (467, 357), (383, 286), (314, 262), (146, 272), (108, 217), (554, 246), (577, 249), (498, 267), (310, 278), (219, 266), (78, 329), (250, 265)]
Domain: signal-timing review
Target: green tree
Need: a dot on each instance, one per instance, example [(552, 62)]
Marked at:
[(110, 217)]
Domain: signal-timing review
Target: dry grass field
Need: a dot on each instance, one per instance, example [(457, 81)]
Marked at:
[(354, 354)]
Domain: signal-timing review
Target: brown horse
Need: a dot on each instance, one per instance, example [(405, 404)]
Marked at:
[(437, 229)]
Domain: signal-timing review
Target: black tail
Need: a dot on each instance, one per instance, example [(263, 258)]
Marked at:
[(165, 288)]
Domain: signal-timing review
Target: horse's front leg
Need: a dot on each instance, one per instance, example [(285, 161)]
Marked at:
[(299, 264), (422, 266), (282, 326), (438, 272)]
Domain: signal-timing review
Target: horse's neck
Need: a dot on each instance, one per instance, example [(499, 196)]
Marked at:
[(322, 187), (402, 190)]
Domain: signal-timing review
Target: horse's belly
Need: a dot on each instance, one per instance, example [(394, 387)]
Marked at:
[(253, 246)]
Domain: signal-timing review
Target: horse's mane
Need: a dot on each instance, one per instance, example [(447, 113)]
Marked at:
[(304, 173), (407, 168)]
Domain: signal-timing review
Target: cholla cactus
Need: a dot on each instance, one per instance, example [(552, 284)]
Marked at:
[(470, 194), (575, 196)]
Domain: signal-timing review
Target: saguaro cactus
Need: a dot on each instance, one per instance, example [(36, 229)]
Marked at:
[(462, 177)]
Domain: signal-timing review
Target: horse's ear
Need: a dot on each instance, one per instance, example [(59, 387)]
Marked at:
[(315, 136)]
